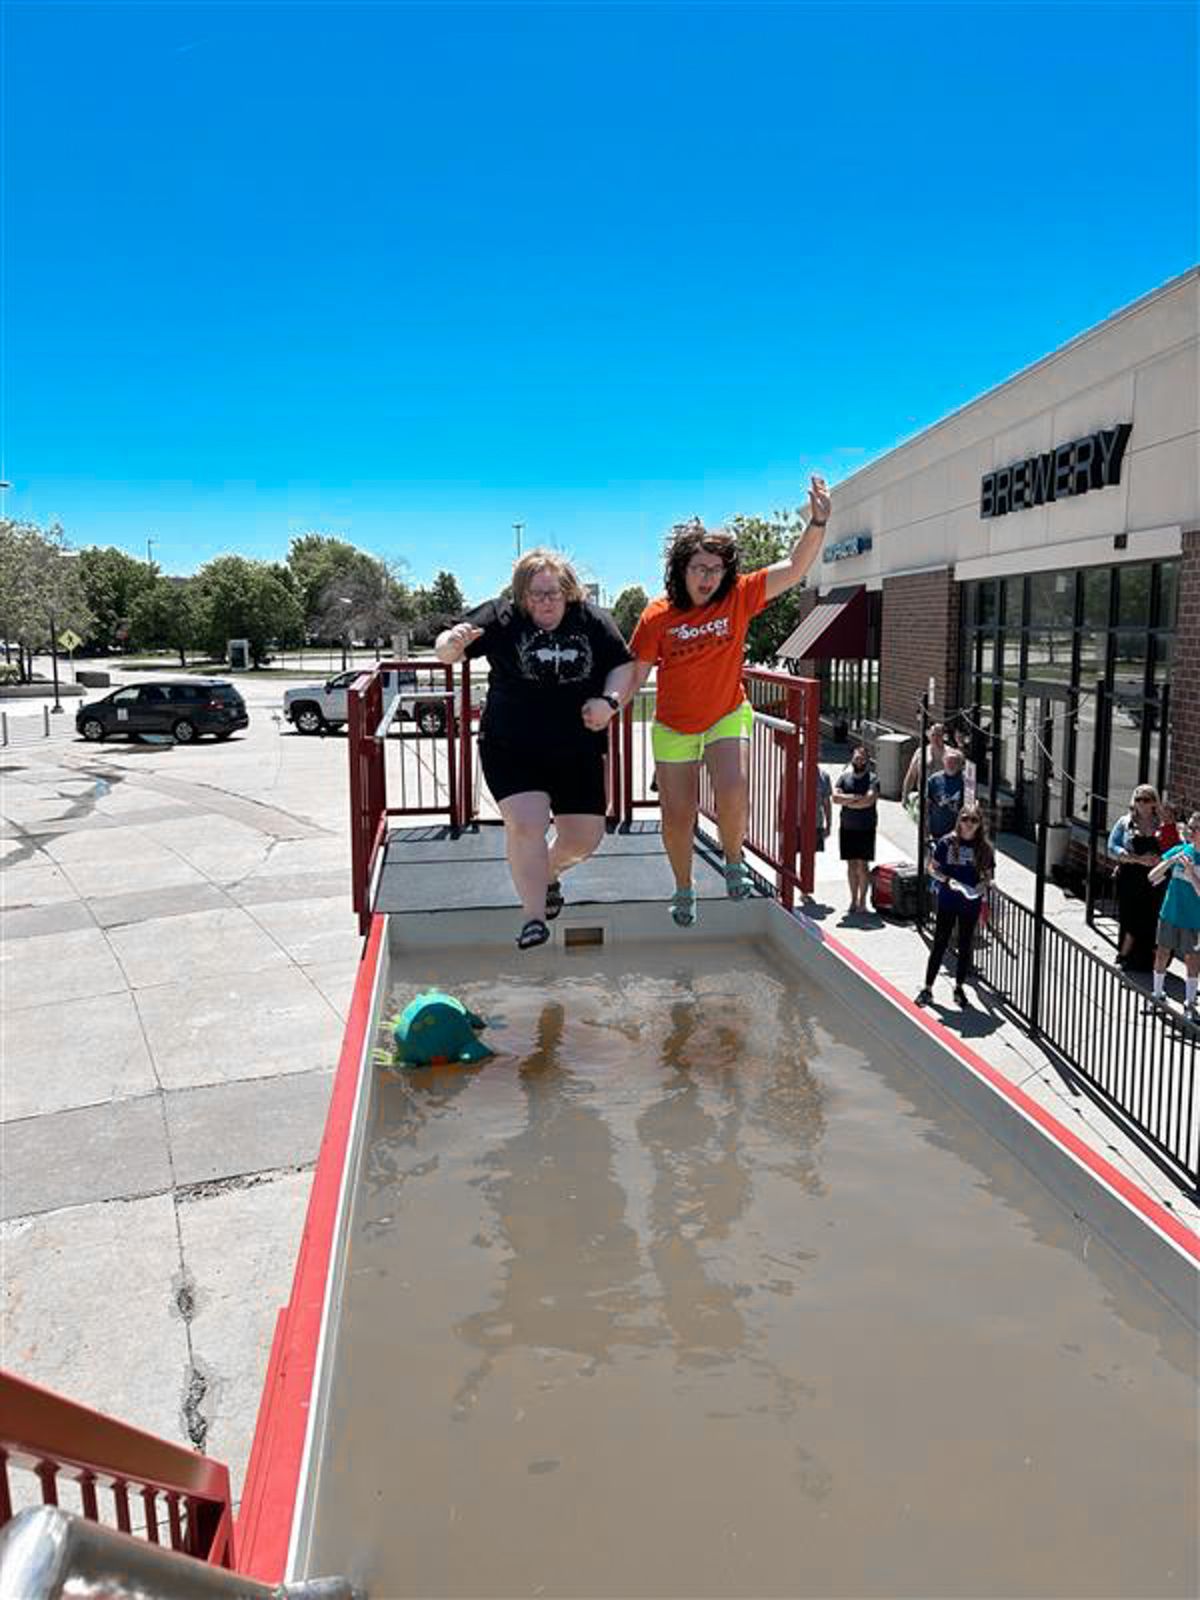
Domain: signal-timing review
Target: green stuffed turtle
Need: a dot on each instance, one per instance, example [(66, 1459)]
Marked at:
[(434, 1029)]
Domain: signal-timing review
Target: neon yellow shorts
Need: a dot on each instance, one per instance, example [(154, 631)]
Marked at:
[(671, 746)]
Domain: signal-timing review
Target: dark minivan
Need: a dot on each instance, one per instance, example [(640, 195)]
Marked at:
[(183, 710)]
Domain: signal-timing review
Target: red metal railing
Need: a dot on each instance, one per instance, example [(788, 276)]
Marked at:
[(437, 775), (784, 749), (428, 777), (183, 1498)]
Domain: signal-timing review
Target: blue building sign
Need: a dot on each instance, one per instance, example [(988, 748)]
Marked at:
[(842, 549)]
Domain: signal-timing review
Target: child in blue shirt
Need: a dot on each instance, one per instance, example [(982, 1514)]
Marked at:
[(1179, 919)]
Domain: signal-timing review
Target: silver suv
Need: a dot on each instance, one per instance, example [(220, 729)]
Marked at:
[(316, 707)]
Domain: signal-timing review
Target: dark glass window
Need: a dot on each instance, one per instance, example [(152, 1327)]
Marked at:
[(1097, 587), (1071, 629), (1052, 598), (1133, 596)]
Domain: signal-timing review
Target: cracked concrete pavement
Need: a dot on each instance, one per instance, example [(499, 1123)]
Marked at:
[(178, 954)]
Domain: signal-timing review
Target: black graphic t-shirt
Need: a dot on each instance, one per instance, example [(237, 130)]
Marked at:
[(538, 681)]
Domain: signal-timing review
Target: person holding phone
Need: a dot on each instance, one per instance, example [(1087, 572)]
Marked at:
[(961, 864)]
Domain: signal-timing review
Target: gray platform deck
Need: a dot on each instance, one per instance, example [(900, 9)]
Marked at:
[(433, 869)]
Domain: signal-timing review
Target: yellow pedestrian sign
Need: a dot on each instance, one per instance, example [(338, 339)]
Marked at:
[(69, 639)]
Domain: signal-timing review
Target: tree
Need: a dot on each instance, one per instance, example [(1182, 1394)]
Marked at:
[(41, 591), (628, 607), (317, 562), (249, 600), (366, 600), (446, 596), (112, 581), (436, 608), (169, 613), (760, 543)]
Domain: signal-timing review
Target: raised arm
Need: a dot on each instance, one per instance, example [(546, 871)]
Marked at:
[(784, 575)]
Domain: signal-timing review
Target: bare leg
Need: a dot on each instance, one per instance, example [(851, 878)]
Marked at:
[(679, 796), (728, 763), (575, 838), (526, 822)]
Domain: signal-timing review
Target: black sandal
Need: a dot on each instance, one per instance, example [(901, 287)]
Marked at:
[(534, 932), (554, 900)]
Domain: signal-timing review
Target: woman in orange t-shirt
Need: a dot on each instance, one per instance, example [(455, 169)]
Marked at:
[(695, 635)]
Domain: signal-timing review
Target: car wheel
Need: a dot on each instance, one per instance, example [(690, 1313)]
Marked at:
[(431, 719), (184, 731), (92, 730), (308, 719)]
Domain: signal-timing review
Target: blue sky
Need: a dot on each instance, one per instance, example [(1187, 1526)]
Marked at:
[(410, 273)]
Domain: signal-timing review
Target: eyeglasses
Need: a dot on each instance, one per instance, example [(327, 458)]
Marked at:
[(969, 822), (545, 595), (705, 569)]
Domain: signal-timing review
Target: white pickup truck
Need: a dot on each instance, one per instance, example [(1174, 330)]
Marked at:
[(316, 707)]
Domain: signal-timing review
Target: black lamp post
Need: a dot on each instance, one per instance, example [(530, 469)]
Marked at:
[(54, 658), (63, 555)]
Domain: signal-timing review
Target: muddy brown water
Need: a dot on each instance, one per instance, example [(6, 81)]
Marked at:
[(696, 1289)]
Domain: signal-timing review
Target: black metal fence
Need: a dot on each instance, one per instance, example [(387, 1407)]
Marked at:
[(1143, 1062)]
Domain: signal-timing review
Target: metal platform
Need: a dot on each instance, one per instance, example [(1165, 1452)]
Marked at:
[(436, 869)]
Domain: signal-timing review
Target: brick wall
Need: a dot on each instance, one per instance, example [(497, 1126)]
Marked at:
[(1184, 774), (919, 640)]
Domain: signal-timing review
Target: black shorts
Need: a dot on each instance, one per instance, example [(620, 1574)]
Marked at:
[(571, 776), (857, 844)]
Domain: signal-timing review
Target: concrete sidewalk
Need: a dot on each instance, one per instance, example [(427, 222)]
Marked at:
[(178, 956), (899, 953)]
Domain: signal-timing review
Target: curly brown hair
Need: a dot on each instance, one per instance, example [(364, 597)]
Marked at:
[(684, 540)]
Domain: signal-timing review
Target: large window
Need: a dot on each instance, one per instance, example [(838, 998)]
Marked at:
[(849, 690), (1052, 636)]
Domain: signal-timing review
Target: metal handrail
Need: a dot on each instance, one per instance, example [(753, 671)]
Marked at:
[(49, 1554)]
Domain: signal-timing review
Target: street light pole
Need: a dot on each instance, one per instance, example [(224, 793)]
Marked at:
[(518, 529), (54, 658), (63, 555), (150, 543)]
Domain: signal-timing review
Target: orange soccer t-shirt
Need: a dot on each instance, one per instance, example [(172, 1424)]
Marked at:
[(699, 653)]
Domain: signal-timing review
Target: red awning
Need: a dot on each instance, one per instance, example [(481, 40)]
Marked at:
[(835, 627)]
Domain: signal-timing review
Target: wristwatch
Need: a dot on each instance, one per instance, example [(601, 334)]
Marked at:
[(614, 700)]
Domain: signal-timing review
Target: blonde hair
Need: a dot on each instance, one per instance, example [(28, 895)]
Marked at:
[(535, 561)]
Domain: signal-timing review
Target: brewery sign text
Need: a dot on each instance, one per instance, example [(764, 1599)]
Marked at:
[(1093, 462)]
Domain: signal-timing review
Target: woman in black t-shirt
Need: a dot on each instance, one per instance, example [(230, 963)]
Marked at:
[(558, 673)]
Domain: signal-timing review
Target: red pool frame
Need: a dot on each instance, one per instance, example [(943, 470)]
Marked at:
[(273, 1475)]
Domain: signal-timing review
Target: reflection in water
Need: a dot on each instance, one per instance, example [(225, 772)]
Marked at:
[(700, 1188), (571, 1281)]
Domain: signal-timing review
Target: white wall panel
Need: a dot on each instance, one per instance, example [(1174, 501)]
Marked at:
[(1163, 485)]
